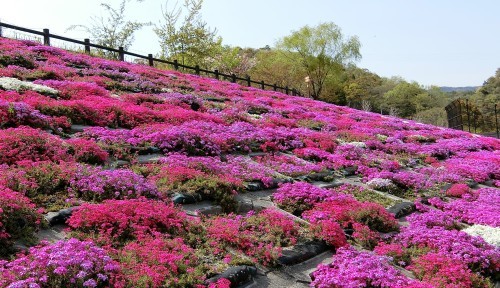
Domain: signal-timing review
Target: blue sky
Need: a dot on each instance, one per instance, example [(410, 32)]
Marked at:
[(433, 42)]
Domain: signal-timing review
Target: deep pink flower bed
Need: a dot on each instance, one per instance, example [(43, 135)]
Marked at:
[(211, 141)]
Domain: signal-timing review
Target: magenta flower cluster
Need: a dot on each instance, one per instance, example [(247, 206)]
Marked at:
[(214, 137), (351, 268), (67, 263)]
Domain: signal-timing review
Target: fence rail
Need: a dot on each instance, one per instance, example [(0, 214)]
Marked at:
[(463, 114), (45, 33)]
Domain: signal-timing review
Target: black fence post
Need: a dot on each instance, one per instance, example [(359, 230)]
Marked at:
[(249, 83), (87, 45), (176, 65), (233, 78), (262, 85), (150, 60), (286, 90), (121, 55), (275, 87), (1, 29), (46, 37), (468, 113), (197, 69), (216, 73), (496, 120), (294, 92)]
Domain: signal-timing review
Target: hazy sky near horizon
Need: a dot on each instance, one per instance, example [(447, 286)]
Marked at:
[(433, 42)]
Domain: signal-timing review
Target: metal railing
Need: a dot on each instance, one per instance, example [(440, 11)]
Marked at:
[(47, 36), (463, 115)]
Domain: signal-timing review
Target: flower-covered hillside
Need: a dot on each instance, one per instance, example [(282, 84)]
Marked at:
[(163, 179)]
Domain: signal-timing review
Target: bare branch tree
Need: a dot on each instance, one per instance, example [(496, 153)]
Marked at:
[(192, 41), (393, 111), (366, 105), (113, 30)]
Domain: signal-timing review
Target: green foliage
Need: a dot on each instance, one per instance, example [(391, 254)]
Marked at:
[(361, 85), (270, 64), (229, 60), (323, 50), (484, 101), (435, 116), (403, 98), (365, 195)]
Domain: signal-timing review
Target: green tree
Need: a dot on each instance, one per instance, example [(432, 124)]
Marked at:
[(435, 116), (270, 64), (403, 98), (112, 30), (192, 42), (323, 50), (485, 99), (230, 60), (361, 85)]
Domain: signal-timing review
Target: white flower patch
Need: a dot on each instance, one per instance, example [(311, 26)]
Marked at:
[(354, 143), (381, 184), (8, 83), (488, 233)]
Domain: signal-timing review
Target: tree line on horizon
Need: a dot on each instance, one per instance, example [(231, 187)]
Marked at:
[(319, 61)]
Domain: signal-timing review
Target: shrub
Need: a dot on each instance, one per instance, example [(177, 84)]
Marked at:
[(159, 262), (351, 268), (365, 195), (94, 184), (480, 207), (442, 271), (45, 182), (474, 252), (66, 263), (458, 190), (25, 143), (13, 114), (330, 232), (288, 165), (19, 220), (115, 222), (348, 212), (87, 151), (300, 196), (260, 236), (186, 180)]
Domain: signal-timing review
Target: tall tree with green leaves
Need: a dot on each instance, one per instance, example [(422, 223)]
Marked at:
[(323, 50), (270, 64), (112, 30), (404, 98), (191, 42)]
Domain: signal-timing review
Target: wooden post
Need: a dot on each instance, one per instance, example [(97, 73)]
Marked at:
[(262, 85), (216, 72), (275, 87), (233, 78), (197, 69), (249, 82), (121, 55), (87, 45), (46, 37), (176, 65), (150, 60)]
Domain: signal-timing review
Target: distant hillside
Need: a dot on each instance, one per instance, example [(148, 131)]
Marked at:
[(458, 89)]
